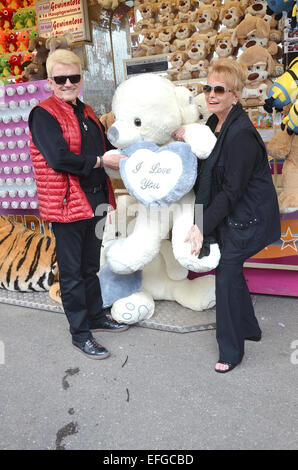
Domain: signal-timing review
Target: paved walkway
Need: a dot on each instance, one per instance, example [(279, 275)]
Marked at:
[(158, 389)]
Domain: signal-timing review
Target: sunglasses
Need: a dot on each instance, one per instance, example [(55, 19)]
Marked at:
[(61, 79), (218, 89)]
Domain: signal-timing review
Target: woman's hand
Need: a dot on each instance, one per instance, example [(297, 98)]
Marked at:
[(195, 238), (179, 134)]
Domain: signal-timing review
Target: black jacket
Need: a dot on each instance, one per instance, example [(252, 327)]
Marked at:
[(240, 195)]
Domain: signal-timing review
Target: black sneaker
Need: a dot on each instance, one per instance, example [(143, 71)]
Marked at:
[(92, 349), (108, 324)]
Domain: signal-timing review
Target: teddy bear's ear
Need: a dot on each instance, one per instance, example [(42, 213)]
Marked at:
[(188, 109)]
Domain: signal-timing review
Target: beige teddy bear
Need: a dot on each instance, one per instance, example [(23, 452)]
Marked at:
[(177, 60), (256, 31), (206, 17), (198, 50), (231, 14), (148, 45), (148, 10), (183, 32), (59, 42), (260, 66), (164, 39), (143, 25), (256, 8), (195, 88), (223, 46)]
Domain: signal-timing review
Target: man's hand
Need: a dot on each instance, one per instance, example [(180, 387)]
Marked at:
[(110, 161), (195, 238)]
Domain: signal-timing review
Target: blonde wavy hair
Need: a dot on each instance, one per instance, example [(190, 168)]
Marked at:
[(232, 72), (62, 56)]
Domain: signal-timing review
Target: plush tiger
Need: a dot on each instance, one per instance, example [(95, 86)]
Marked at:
[(27, 259)]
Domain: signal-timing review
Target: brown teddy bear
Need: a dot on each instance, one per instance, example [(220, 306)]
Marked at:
[(256, 31), (223, 46), (256, 8), (142, 25), (231, 14), (185, 5), (164, 39), (59, 42), (198, 50), (260, 66), (166, 19), (214, 4), (284, 145), (148, 45), (177, 60), (148, 10), (195, 88), (203, 44), (39, 44), (183, 32), (34, 71), (205, 22), (196, 68)]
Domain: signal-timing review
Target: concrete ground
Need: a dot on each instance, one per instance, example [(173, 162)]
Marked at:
[(158, 390)]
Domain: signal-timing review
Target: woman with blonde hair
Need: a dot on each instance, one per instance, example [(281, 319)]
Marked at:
[(240, 209)]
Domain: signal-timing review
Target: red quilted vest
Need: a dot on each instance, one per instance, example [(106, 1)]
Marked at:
[(60, 196)]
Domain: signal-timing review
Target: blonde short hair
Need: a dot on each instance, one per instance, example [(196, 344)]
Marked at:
[(62, 56), (233, 73)]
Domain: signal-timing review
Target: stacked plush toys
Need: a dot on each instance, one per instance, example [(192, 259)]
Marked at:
[(17, 26), (193, 33)]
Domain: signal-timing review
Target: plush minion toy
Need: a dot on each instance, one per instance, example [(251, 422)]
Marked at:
[(282, 90), (291, 120)]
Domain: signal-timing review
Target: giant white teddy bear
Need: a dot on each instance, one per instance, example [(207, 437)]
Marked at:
[(158, 173), (132, 296)]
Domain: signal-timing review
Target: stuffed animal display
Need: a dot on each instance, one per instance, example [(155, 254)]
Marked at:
[(132, 296), (158, 173), (194, 33)]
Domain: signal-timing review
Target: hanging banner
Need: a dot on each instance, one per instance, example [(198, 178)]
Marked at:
[(57, 17)]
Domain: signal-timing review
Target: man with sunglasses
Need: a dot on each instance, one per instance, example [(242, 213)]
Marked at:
[(67, 144)]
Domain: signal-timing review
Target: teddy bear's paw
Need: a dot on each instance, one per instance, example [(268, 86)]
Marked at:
[(201, 265), (132, 309), (124, 257), (200, 138)]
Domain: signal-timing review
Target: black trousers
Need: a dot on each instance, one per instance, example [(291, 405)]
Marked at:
[(235, 316), (78, 255)]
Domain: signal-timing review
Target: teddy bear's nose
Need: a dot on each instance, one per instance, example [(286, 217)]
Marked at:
[(251, 43), (257, 7), (223, 46), (228, 17), (253, 76), (113, 134)]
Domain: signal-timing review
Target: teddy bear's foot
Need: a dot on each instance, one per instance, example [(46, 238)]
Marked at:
[(199, 265), (132, 309), (197, 294), (124, 256)]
